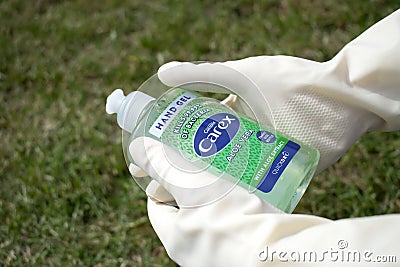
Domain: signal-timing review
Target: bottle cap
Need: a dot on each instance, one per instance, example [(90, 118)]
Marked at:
[(128, 108)]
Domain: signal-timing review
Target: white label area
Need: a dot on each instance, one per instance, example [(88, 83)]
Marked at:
[(170, 112)]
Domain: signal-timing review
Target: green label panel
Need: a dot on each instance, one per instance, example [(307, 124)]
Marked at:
[(248, 156)]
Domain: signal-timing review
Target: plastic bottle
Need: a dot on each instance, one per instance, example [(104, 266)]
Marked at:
[(207, 132)]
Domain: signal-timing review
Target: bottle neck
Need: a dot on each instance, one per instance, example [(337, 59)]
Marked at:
[(141, 114), (132, 108)]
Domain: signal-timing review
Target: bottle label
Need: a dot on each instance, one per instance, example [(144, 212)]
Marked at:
[(165, 118), (228, 142)]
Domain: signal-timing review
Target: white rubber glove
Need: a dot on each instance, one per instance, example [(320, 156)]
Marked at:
[(326, 105), (358, 90)]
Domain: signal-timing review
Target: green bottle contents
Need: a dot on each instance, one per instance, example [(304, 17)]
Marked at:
[(211, 134)]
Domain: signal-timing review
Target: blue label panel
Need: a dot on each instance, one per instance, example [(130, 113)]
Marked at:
[(278, 166), (266, 137), (215, 133)]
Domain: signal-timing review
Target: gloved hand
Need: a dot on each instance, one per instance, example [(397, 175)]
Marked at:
[(326, 105)]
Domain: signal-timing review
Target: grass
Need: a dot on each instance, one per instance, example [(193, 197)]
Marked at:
[(66, 197)]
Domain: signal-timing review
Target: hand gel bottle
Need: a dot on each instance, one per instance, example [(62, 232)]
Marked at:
[(205, 131)]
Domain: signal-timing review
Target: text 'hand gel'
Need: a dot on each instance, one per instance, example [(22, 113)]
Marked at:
[(204, 131)]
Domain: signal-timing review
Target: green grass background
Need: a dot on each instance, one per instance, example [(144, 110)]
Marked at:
[(66, 197)]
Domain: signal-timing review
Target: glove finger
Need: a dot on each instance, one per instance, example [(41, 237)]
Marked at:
[(230, 101), (238, 105), (154, 190), (178, 73), (136, 171), (194, 76), (163, 219), (189, 185), (159, 194)]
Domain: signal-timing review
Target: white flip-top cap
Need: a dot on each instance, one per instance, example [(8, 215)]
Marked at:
[(128, 108)]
